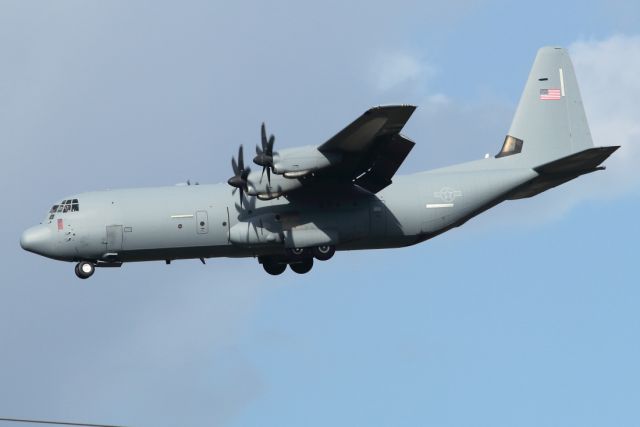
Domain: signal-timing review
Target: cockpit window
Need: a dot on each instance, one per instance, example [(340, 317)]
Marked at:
[(64, 207)]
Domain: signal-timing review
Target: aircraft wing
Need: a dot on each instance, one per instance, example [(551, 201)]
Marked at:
[(362, 133), (371, 147)]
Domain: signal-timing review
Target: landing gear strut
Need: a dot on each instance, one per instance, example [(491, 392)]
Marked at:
[(85, 269)]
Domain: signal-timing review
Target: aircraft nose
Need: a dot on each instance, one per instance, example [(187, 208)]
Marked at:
[(36, 239)]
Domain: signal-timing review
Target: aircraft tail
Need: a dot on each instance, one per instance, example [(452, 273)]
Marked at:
[(550, 122), (549, 131)]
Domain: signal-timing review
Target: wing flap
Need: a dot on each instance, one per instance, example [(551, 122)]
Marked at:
[(386, 164)]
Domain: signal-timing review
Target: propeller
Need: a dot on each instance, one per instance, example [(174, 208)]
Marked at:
[(239, 179), (249, 205), (264, 154)]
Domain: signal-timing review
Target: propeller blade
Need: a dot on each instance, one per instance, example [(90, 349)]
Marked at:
[(244, 175), (258, 150), (269, 149), (240, 159), (269, 175), (264, 137), (234, 165)]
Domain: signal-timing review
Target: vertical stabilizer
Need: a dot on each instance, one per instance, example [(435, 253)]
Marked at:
[(550, 122)]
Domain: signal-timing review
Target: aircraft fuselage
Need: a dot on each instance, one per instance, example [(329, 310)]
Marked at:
[(207, 221)]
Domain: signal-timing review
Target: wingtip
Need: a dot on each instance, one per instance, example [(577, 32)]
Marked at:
[(397, 108)]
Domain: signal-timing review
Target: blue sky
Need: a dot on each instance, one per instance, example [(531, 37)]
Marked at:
[(525, 316)]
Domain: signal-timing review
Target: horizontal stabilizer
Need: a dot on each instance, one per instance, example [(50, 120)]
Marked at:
[(563, 170), (586, 161)]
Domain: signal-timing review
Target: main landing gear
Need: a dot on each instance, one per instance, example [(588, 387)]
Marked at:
[(299, 260), (274, 268), (323, 253), (303, 266), (85, 269)]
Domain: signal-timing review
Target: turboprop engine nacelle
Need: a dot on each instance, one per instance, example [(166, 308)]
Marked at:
[(297, 162), (258, 185)]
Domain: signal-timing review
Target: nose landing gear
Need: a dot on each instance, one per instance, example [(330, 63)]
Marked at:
[(85, 269)]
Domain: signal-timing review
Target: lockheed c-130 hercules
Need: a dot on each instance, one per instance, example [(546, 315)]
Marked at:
[(305, 203)]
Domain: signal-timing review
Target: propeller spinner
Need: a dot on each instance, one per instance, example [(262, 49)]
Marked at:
[(239, 179), (264, 155)]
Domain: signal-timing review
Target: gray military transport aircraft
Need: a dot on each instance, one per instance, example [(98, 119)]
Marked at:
[(305, 203)]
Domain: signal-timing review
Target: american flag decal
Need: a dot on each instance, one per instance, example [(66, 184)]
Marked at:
[(550, 94), (60, 224)]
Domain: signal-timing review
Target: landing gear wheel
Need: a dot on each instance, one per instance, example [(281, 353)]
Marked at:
[(303, 266), (296, 254), (324, 252), (85, 269), (274, 268)]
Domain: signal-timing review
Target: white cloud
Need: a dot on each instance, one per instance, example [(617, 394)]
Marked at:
[(393, 69), (608, 72)]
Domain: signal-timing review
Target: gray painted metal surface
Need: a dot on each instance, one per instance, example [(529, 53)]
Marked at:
[(342, 196)]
